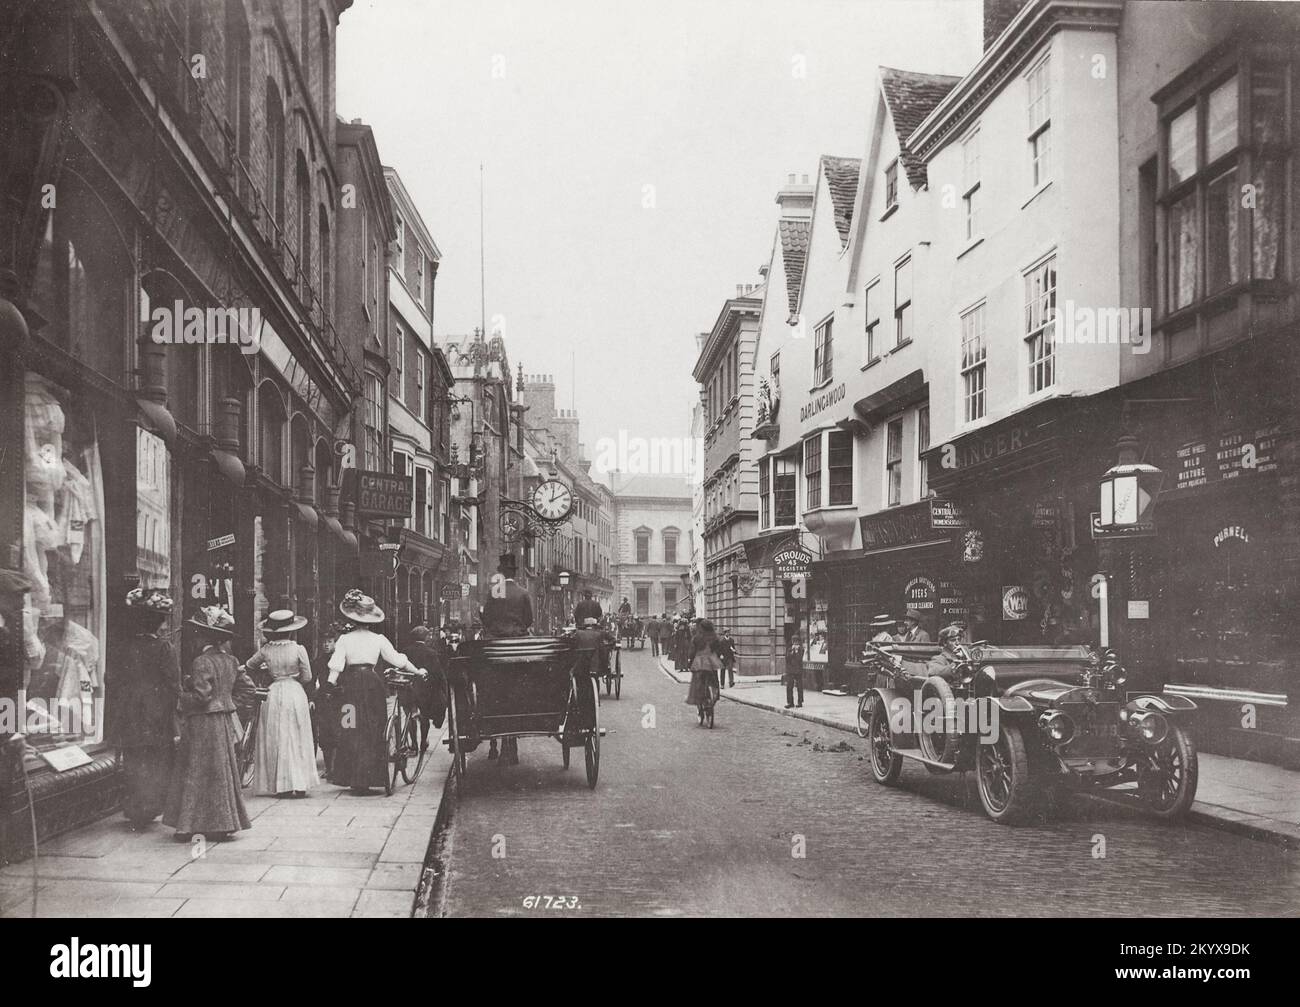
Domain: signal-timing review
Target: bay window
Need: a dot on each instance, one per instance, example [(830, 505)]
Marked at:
[(839, 458), (812, 472), (784, 479), (1226, 152)]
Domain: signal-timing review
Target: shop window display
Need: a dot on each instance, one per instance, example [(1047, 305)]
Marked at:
[(64, 558)]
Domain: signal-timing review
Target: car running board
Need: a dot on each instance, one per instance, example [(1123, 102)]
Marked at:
[(916, 755)]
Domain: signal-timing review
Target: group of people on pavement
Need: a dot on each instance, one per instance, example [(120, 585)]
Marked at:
[(179, 735)]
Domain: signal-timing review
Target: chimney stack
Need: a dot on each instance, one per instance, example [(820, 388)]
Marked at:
[(796, 199), (997, 15)]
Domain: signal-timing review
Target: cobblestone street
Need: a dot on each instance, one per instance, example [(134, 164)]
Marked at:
[(688, 821)]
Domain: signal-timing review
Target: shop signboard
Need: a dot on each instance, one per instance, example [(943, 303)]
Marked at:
[(1231, 454), (792, 562), (920, 592), (1015, 602), (381, 494), (947, 514), (450, 592)]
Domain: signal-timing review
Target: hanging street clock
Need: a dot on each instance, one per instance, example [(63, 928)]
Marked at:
[(552, 501)]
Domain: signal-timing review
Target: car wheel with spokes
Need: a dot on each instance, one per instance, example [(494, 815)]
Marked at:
[(1167, 775), (886, 764), (1002, 772)]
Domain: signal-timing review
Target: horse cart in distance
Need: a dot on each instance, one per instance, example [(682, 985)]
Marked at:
[(631, 631), (1028, 720), (522, 687)]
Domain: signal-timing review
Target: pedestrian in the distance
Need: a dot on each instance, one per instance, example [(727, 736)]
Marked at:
[(705, 663), (143, 694), (727, 651), (285, 759), (360, 761), (794, 673), (682, 645), (204, 796), (652, 631)]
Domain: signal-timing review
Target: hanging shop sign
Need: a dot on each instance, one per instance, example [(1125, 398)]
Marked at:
[(1232, 454), (972, 546), (792, 562), (1015, 602), (217, 543), (449, 592), (380, 494), (1143, 529), (1047, 514)]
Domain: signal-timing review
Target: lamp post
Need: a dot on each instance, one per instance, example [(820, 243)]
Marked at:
[(1126, 493)]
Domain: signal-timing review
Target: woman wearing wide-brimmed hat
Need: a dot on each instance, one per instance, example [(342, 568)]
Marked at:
[(142, 698), (360, 761), (205, 795), (285, 761)]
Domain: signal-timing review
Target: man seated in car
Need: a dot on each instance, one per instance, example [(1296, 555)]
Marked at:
[(944, 663)]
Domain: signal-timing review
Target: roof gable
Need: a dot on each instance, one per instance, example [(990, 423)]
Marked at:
[(794, 250), (910, 97), (842, 182)]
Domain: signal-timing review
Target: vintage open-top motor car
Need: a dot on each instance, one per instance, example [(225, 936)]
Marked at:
[(1027, 720)]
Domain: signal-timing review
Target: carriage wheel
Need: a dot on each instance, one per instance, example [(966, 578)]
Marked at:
[(395, 753), (453, 733), (592, 746)]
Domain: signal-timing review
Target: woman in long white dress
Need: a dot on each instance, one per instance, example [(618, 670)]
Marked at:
[(285, 760)]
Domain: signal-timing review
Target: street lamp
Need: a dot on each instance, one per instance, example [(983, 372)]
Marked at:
[(564, 578), (1128, 488)]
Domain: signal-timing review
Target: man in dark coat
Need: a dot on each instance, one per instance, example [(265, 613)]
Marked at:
[(626, 607), (430, 694), (652, 631), (508, 610), (586, 609)]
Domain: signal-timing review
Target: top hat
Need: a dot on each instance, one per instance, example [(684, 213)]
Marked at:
[(358, 607), (213, 619), (151, 599), (507, 561), (883, 621), (283, 620)]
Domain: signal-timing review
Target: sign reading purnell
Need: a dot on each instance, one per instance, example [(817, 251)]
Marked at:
[(382, 495), (792, 562)]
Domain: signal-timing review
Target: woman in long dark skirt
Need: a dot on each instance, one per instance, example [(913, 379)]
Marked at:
[(143, 703), (703, 693), (360, 760), (205, 793)]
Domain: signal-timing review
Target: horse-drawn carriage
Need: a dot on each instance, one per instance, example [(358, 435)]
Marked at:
[(521, 687), (631, 631)]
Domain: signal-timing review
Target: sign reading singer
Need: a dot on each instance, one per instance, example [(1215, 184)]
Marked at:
[(382, 495)]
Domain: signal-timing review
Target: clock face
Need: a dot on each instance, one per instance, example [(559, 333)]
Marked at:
[(552, 500)]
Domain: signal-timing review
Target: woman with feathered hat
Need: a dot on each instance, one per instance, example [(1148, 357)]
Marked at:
[(360, 761), (205, 795), (285, 761), (142, 700)]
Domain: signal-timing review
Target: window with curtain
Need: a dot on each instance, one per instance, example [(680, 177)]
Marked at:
[(1040, 324)]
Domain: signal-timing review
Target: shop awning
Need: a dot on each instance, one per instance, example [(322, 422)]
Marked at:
[(906, 391), (158, 419), (229, 465)]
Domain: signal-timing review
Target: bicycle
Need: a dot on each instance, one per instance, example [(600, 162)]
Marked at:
[(402, 740), (246, 750)]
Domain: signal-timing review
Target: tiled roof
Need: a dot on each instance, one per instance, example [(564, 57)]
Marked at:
[(842, 180), (911, 97), (794, 250)]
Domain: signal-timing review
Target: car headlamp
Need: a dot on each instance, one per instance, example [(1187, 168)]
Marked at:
[(1151, 726), (1057, 726)]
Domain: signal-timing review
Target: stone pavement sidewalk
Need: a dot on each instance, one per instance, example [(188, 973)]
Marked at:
[(329, 854), (1237, 795)]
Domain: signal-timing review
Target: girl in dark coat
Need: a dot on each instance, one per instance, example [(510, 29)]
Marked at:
[(143, 705), (205, 793), (705, 663)]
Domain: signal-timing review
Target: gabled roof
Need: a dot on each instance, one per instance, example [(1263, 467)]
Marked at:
[(842, 181), (659, 486), (910, 98), (794, 249)]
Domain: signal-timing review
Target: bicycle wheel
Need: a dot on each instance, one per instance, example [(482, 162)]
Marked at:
[(248, 749), (413, 749), (394, 752), (863, 725)]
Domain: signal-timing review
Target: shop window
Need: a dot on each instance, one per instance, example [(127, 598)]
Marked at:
[(839, 452), (153, 510), (894, 462), (64, 620)]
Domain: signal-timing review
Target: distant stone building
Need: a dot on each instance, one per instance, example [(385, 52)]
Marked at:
[(653, 521)]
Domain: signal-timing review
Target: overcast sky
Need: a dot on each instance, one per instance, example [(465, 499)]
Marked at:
[(574, 108)]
